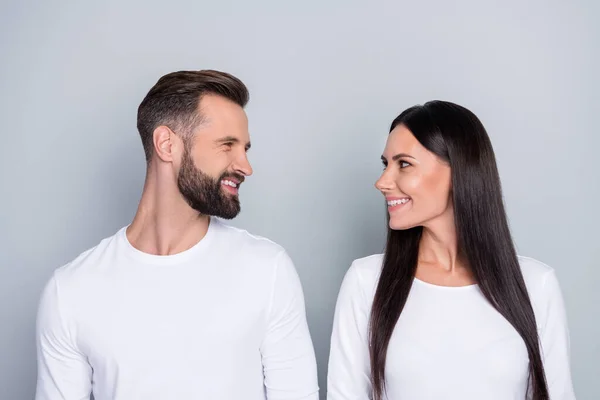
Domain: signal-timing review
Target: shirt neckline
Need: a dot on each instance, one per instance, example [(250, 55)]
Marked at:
[(171, 259)]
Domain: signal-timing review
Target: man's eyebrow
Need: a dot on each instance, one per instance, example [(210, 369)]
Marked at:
[(233, 140), (228, 139)]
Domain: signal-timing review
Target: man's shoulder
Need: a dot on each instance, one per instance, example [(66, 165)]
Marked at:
[(76, 271), (248, 244), (256, 257)]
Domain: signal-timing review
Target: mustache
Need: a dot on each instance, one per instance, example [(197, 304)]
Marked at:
[(238, 177)]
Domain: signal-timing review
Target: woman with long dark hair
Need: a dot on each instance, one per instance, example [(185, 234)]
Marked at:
[(449, 311)]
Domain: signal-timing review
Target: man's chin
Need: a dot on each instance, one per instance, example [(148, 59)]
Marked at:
[(232, 211), (230, 196), (228, 215)]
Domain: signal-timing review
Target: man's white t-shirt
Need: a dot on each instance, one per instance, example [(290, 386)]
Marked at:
[(449, 342), (222, 320)]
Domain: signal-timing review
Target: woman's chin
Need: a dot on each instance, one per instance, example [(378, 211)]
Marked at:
[(400, 225)]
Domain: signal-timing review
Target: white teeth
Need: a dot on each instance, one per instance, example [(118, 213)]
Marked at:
[(393, 203), (229, 183)]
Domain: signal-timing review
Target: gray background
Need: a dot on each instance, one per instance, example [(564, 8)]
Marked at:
[(326, 79)]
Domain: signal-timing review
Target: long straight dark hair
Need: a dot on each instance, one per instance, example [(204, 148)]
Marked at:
[(458, 137)]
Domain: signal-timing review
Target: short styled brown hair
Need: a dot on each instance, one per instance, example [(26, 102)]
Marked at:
[(173, 101)]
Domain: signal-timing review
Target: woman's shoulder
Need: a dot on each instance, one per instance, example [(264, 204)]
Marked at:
[(540, 280), (363, 274), (534, 272), (367, 268)]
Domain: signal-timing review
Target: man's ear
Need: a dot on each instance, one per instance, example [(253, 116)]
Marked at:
[(163, 140)]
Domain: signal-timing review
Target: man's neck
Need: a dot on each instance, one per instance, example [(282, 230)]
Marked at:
[(164, 223)]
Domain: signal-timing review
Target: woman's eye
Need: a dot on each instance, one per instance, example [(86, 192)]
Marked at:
[(404, 164)]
